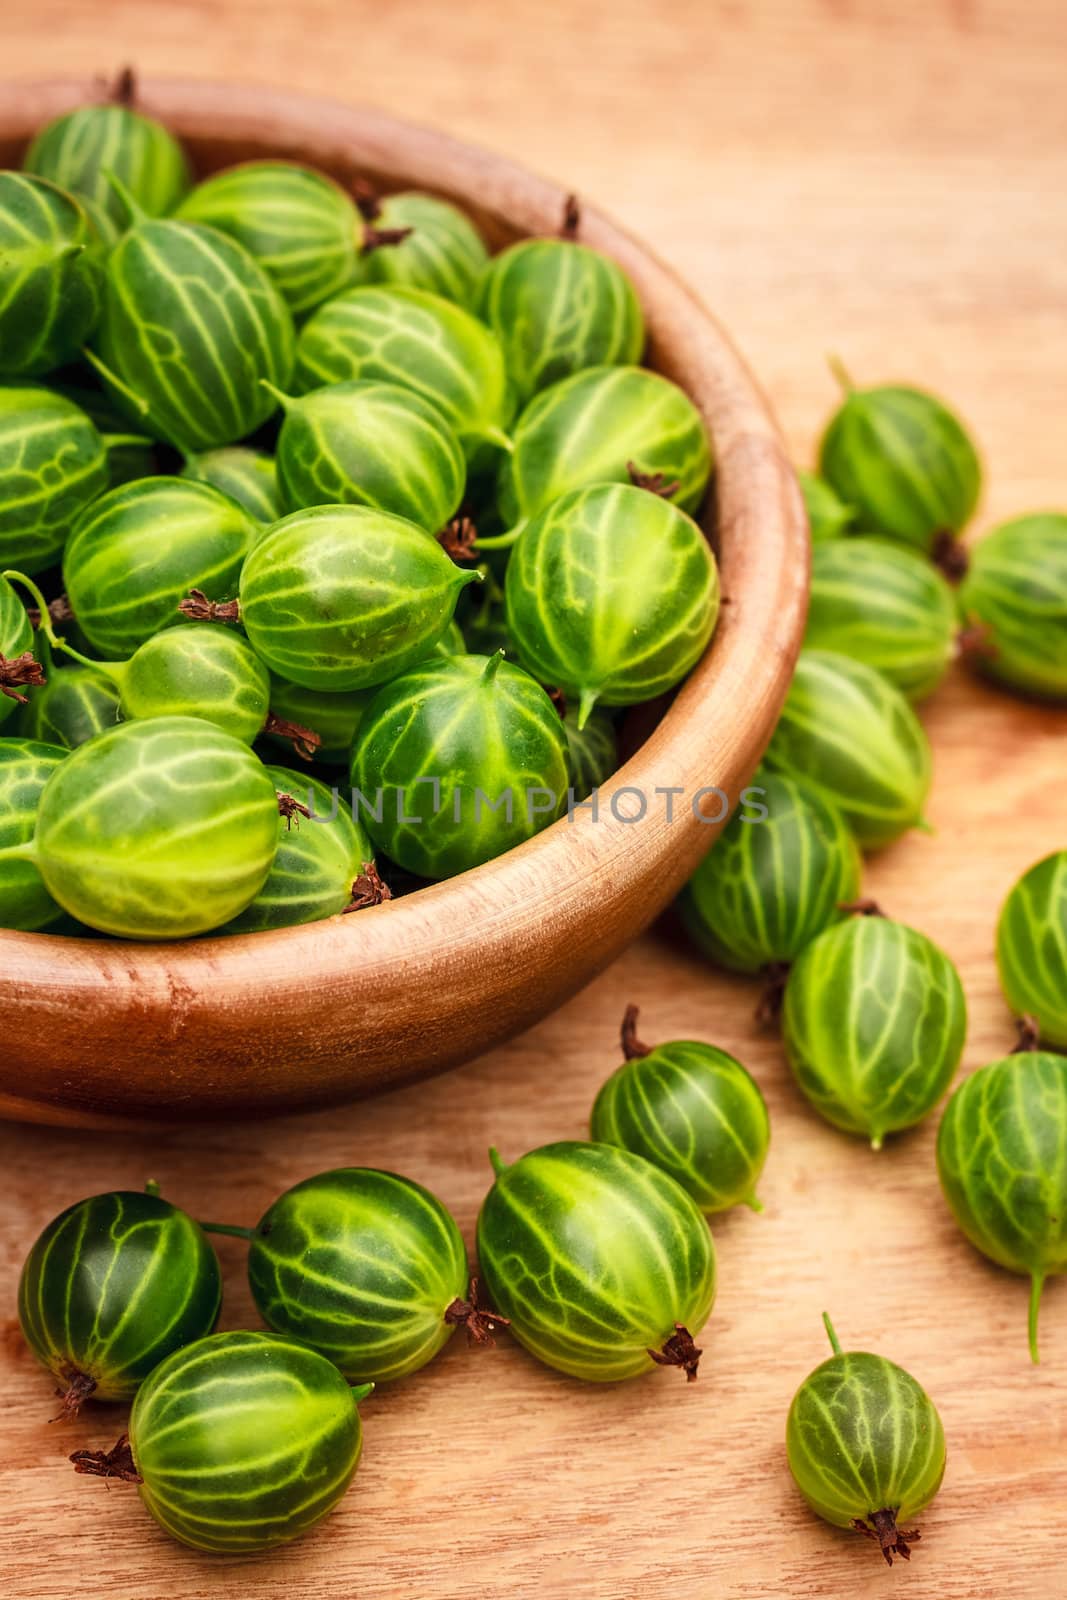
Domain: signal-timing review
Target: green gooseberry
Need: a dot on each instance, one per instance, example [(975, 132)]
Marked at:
[(190, 326), (365, 1267), (457, 761), (53, 463), (602, 1263), (323, 864), (421, 242), (846, 731), (603, 425), (372, 444), (885, 605), (593, 750), (828, 515), (874, 1021), (157, 829), (1014, 601), (25, 767), (239, 1442), (1032, 948), (297, 223), (904, 461), (782, 870), (113, 1286), (693, 1111), (421, 342), (334, 718), (139, 549), (865, 1446), (1000, 1159), (129, 455), (342, 597), (248, 476), (73, 705), (19, 667), (558, 307), (51, 276), (612, 596), (85, 149)]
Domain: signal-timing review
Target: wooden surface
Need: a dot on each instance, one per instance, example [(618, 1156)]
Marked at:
[(884, 180), (302, 1017)]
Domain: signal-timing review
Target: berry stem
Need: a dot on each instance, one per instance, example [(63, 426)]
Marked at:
[(831, 1335), (1037, 1284), (229, 1228), (632, 1047)]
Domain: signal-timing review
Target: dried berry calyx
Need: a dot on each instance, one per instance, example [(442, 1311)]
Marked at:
[(305, 741), (881, 1526), (289, 807), (457, 539), (117, 1462), (369, 889), (572, 218), (198, 608), (679, 1351), (20, 672), (480, 1322), (79, 1387), (632, 1047), (374, 238), (950, 555), (654, 482)]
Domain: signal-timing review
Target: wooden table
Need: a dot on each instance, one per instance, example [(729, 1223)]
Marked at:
[(881, 180)]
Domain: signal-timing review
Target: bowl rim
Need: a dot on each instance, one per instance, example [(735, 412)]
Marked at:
[(712, 734)]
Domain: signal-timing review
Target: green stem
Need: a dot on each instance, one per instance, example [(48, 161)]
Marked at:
[(497, 436), (135, 214), (229, 1228), (116, 441), (1037, 1283), (496, 1160), (753, 1202), (586, 701), (111, 669), (841, 373), (138, 402), (828, 1325), (492, 666), (283, 399), (502, 541), (361, 1391), (152, 1187)]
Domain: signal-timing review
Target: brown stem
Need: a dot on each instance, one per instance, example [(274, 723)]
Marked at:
[(679, 1351), (374, 238), (289, 807), (79, 1387), (950, 555), (775, 978), (305, 741), (886, 1535), (366, 197), (976, 639), (1029, 1035), (632, 1047), (559, 700), (114, 1463), (572, 218), (457, 538), (369, 889), (59, 610), (480, 1322), (198, 608), (861, 908), (123, 91), (20, 672), (654, 482)]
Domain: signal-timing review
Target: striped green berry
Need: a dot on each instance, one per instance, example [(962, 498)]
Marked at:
[(457, 761), (874, 1022), (846, 731), (1032, 948), (333, 717), (298, 224), (693, 1111), (140, 549), (18, 655), (772, 883), (828, 515), (371, 444), (1001, 1160), (367, 1268), (883, 604), (558, 307), (322, 850), (25, 767), (52, 465), (113, 1286), (594, 751), (612, 596), (603, 1264), (866, 1446), (51, 276), (155, 830), (191, 326), (604, 425), (242, 1442), (84, 149), (341, 597), (1014, 600), (199, 671), (904, 461), (419, 341), (442, 253), (73, 705), (248, 476)]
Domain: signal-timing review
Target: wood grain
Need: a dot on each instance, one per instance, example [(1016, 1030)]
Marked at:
[(881, 179), (302, 1017)]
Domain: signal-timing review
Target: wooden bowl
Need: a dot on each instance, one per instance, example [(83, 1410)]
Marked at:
[(95, 1032)]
